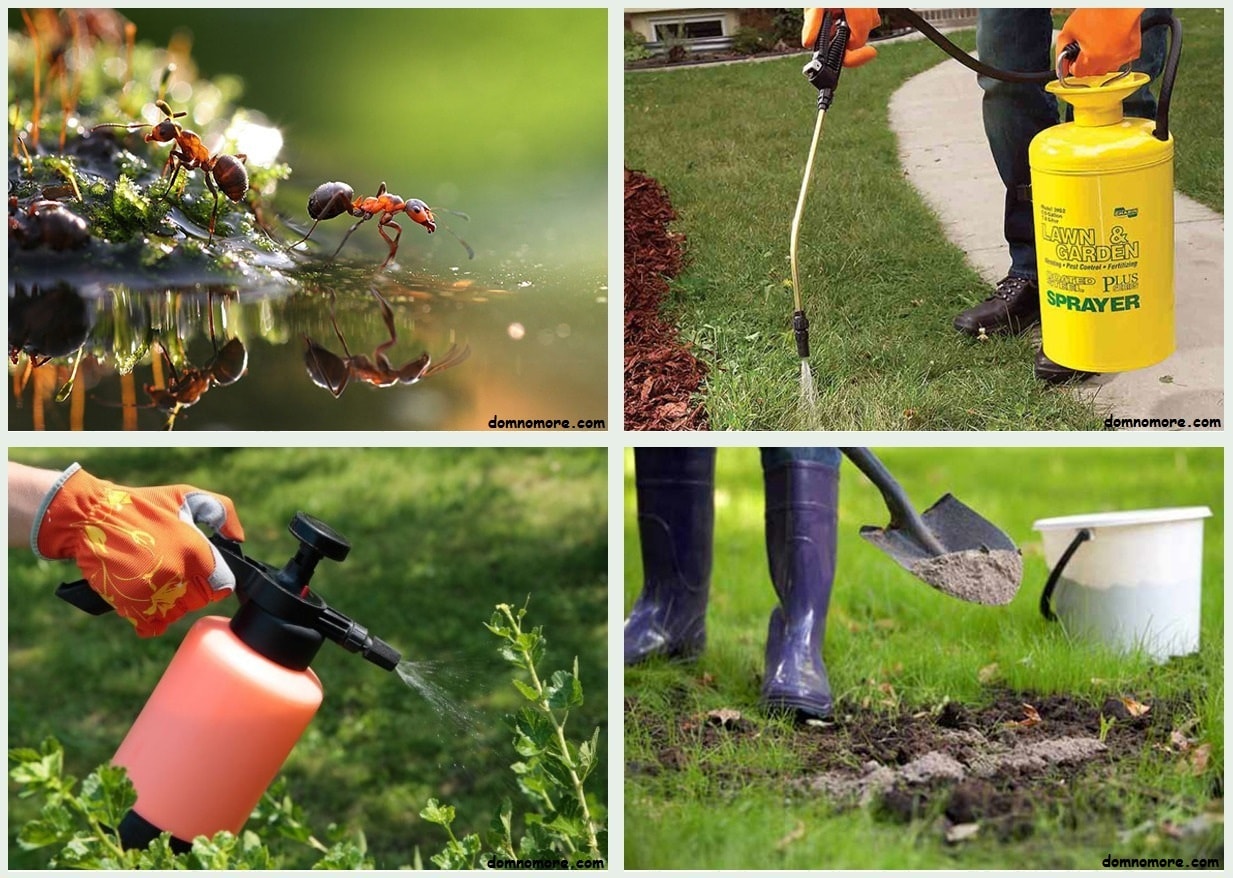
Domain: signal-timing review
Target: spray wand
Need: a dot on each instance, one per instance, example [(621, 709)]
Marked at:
[(822, 71)]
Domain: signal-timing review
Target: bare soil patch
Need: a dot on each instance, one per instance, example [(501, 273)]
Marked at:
[(995, 765)]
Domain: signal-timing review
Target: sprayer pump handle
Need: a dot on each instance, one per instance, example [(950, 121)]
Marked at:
[(319, 536)]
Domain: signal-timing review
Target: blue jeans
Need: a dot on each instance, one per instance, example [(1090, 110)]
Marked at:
[(1021, 39)]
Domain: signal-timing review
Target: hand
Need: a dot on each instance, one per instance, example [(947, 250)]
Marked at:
[(139, 547), (861, 21), (1107, 38)]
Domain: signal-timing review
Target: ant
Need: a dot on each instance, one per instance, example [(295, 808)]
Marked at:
[(334, 199), (46, 222), (332, 372), (190, 152)]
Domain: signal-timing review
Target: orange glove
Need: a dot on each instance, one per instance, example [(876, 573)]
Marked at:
[(1107, 38), (139, 547), (861, 21)]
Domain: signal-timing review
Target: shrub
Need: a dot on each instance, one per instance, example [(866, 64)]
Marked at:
[(749, 41), (635, 47)]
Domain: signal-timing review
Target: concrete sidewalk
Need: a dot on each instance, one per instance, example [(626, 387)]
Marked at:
[(937, 118)]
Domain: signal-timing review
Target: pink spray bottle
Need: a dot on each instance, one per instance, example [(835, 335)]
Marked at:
[(237, 695)]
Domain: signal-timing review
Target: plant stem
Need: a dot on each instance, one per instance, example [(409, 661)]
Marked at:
[(559, 727)]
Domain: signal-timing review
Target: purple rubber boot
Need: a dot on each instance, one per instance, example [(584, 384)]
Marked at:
[(801, 516), (676, 519)]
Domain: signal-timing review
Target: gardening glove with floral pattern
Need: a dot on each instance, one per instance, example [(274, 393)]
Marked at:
[(861, 21), (1107, 38), (139, 547)]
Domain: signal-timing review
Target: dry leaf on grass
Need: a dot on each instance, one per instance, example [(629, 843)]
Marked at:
[(1199, 757), (988, 673), (1135, 708), (795, 835), (1031, 717), (962, 832)]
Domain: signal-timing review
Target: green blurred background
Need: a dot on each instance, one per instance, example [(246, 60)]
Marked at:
[(458, 107), (439, 537)]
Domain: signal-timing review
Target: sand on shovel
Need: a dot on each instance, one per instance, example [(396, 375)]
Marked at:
[(977, 575)]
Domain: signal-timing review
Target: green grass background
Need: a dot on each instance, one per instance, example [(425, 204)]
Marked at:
[(882, 284), (885, 627), (439, 537)]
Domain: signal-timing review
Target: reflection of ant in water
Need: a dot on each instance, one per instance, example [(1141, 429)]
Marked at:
[(190, 152), (334, 199), (188, 385), (332, 372)]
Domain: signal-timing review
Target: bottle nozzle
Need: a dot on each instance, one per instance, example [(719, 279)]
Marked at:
[(800, 328)]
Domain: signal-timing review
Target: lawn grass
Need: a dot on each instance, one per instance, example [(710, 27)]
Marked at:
[(439, 537), (886, 628), (1197, 115), (882, 284)]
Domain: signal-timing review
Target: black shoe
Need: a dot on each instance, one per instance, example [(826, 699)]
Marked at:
[(1053, 373), (1013, 308)]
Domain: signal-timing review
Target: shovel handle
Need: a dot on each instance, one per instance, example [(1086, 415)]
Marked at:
[(903, 514)]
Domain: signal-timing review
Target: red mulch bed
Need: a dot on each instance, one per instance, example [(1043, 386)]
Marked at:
[(661, 375)]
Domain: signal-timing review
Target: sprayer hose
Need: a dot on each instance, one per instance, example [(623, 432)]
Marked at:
[(1151, 21)]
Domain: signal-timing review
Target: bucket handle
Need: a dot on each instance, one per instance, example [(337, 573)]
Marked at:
[(1055, 574)]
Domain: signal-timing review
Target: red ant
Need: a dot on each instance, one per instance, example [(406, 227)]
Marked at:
[(332, 372), (334, 199), (190, 152)]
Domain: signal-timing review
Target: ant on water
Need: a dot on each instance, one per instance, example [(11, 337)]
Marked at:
[(334, 199), (190, 152)]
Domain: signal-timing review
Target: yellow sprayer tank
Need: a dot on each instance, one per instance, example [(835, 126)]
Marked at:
[(1102, 193)]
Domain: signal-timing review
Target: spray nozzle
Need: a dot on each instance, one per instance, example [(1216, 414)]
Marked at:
[(824, 67), (800, 328)]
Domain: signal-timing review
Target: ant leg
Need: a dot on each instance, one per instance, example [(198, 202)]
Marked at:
[(178, 158), (214, 215), (365, 218), (388, 220), (387, 317)]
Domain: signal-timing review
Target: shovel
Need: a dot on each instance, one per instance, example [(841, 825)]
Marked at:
[(949, 547)]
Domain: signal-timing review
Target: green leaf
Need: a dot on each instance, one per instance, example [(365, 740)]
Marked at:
[(54, 826), (528, 692), (461, 854), (344, 855), (435, 812), (107, 794), (564, 691), (212, 853)]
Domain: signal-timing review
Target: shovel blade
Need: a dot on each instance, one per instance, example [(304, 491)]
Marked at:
[(980, 562)]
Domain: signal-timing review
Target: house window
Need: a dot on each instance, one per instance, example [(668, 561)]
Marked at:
[(687, 28)]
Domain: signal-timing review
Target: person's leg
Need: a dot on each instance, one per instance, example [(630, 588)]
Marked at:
[(802, 489), (1142, 104), (676, 518), (1014, 113)]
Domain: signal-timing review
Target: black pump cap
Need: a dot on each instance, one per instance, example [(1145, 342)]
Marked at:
[(282, 619)]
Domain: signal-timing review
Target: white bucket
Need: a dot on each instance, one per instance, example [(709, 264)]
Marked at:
[(1135, 582)]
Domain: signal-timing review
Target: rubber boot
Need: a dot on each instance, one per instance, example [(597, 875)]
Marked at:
[(801, 514), (676, 521)]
